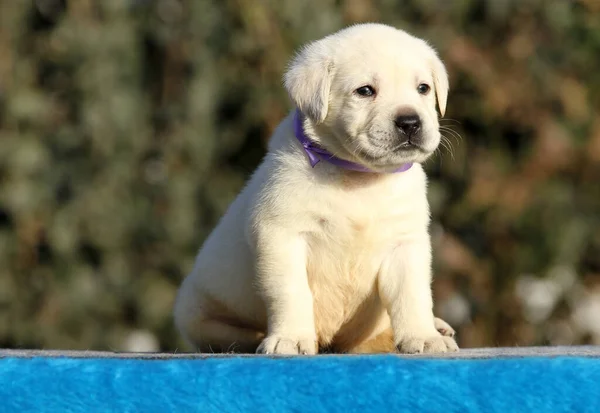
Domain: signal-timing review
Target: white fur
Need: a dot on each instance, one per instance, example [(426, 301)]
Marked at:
[(324, 255)]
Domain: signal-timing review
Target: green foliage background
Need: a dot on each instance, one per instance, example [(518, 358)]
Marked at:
[(127, 126)]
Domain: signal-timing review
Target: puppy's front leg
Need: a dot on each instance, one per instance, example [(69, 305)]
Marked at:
[(283, 285), (405, 290)]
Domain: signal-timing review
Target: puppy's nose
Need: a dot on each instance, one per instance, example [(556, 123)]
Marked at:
[(408, 124)]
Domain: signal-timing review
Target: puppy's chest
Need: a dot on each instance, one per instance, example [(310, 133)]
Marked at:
[(356, 230), (348, 241), (362, 218)]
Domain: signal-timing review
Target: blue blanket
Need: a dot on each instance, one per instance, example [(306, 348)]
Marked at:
[(494, 381)]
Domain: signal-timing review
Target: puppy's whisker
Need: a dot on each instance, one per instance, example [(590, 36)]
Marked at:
[(452, 132), (353, 151), (445, 142), (354, 147), (436, 154), (442, 145), (448, 128), (449, 120)]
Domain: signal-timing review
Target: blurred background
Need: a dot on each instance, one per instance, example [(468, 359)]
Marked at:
[(128, 126)]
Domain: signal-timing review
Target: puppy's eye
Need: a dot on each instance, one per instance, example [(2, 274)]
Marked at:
[(366, 91), (423, 88)]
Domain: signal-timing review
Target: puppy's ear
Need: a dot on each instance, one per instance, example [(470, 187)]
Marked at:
[(308, 81), (440, 82)]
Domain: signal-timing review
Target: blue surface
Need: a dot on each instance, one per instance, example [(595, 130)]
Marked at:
[(381, 383)]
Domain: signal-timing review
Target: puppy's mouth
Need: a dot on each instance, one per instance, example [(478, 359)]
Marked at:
[(381, 151), (387, 158), (407, 147), (383, 155)]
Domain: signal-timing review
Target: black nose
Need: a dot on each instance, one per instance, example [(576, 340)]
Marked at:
[(408, 124)]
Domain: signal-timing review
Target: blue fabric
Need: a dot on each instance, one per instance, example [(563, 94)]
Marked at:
[(338, 384)]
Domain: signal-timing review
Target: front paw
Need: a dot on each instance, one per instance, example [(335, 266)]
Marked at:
[(435, 343), (284, 345), (443, 327)]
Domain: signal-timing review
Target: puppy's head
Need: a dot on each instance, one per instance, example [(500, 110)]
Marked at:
[(370, 92)]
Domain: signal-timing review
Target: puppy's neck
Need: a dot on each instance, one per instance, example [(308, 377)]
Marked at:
[(355, 180)]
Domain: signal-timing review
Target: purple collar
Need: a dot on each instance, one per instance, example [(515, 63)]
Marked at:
[(315, 153)]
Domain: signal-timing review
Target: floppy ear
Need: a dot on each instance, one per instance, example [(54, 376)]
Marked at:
[(440, 82), (308, 81)]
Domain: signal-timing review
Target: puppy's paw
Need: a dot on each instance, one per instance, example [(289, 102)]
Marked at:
[(432, 344), (283, 345), (443, 327)]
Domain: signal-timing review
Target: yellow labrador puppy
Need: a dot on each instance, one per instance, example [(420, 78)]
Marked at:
[(327, 247)]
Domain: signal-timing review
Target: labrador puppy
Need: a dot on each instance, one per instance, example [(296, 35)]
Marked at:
[(327, 247)]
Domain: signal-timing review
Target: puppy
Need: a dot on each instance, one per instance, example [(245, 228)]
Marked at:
[(327, 247)]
